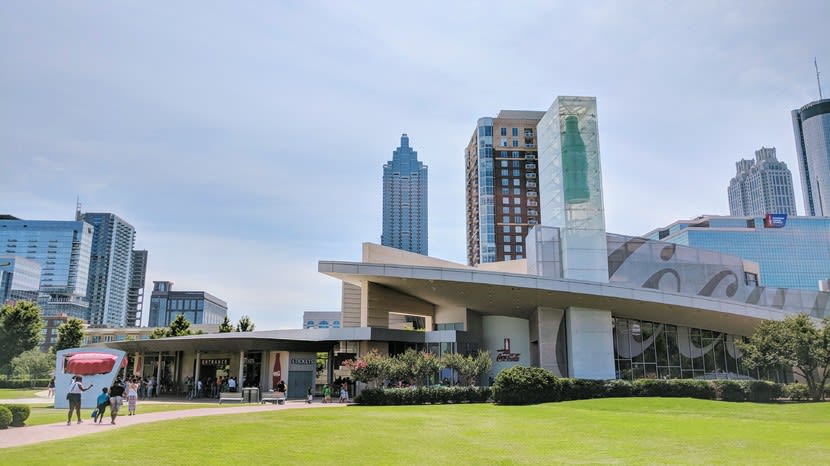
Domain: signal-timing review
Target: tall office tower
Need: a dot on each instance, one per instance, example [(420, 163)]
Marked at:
[(761, 186), (502, 186), (811, 125), (109, 269), (62, 248), (19, 279), (198, 307), (135, 294), (405, 201)]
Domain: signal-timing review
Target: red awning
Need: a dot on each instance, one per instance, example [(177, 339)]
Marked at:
[(92, 363)]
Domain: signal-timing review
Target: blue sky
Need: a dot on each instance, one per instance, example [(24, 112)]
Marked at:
[(245, 140)]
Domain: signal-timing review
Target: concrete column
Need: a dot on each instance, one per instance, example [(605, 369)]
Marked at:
[(241, 371), (158, 376), (590, 343), (198, 367), (136, 358)]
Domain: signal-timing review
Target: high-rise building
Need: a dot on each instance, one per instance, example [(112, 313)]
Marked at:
[(109, 269), (135, 294), (198, 307), (19, 279), (761, 186), (502, 186), (811, 125), (794, 253), (62, 248), (405, 201)]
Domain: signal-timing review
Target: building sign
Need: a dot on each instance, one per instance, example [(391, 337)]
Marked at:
[(504, 354), (216, 362), (302, 362), (775, 221)]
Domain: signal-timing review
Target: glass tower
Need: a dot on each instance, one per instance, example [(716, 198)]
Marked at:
[(405, 201), (811, 126), (198, 307), (762, 186), (109, 269), (796, 255), (62, 248)]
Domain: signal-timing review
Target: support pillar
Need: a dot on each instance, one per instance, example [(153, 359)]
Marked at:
[(157, 386), (241, 371), (196, 372), (590, 343)]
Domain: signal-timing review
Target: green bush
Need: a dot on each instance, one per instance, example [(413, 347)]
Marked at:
[(31, 383), (422, 395), (617, 388), (580, 389), (730, 390), (684, 388), (762, 391), (5, 417), (19, 414), (520, 385), (797, 391)]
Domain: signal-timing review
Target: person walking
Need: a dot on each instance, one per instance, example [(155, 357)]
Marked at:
[(309, 395), (51, 388), (74, 397), (327, 393), (132, 396), (116, 399), (101, 405)]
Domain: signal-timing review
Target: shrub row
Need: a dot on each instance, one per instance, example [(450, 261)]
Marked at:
[(530, 385), (422, 395), (32, 383), (17, 415), (5, 417)]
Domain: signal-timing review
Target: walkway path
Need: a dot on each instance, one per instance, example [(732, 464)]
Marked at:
[(19, 436)]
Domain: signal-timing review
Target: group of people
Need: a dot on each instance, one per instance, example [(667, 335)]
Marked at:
[(210, 388), (110, 397)]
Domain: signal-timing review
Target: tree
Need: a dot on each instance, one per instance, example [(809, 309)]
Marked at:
[(794, 342), (33, 364), (368, 368), (70, 334), (245, 324), (20, 326), (178, 328), (225, 326)]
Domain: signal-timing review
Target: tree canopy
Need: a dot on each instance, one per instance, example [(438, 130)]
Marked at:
[(226, 326), (20, 326), (245, 324), (794, 342), (178, 328), (33, 364), (70, 334)]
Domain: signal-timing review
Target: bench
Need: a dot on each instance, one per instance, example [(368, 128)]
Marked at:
[(273, 397), (230, 396)]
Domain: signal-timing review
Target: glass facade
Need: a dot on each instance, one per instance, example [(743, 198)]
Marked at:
[(811, 127), (197, 307), (794, 256), (654, 350), (109, 269), (19, 279), (405, 196)]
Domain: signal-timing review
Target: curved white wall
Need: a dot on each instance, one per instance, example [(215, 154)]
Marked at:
[(497, 331)]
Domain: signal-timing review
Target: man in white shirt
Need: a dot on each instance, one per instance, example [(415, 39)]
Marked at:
[(232, 384)]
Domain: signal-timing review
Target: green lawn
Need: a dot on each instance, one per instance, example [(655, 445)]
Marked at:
[(17, 393), (48, 414), (624, 430)]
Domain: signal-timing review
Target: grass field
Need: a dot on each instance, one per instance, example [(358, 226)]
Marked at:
[(48, 415), (17, 393), (624, 430)]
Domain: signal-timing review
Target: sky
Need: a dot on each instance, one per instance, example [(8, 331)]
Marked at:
[(245, 141)]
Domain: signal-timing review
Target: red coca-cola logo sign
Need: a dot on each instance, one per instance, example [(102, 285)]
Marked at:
[(504, 354)]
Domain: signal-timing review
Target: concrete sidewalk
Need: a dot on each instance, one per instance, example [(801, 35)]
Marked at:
[(19, 436)]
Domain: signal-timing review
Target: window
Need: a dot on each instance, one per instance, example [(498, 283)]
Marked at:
[(517, 200), (335, 324), (506, 239), (505, 172), (517, 191), (518, 229), (517, 181), (508, 257), (503, 163), (517, 163), (323, 324), (309, 324), (505, 191), (507, 248), (518, 239), (503, 142), (515, 131), (505, 210), (505, 229), (505, 219), (505, 200), (503, 131), (519, 248), (515, 143), (517, 172), (517, 219), (515, 153), (505, 182)]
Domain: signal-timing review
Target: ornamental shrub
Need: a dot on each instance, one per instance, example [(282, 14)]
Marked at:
[(763, 392), (797, 391), (19, 414), (422, 395), (730, 390), (520, 385), (5, 417), (617, 388), (683, 388)]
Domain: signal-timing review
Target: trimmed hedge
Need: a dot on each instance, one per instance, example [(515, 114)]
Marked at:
[(5, 417), (676, 388), (422, 395), (32, 383), (19, 414), (797, 391), (519, 385), (730, 390)]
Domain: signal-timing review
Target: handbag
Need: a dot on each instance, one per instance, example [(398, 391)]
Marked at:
[(95, 413)]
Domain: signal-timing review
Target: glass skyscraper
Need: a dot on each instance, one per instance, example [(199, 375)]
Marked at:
[(796, 255), (198, 307), (405, 201), (811, 125), (761, 186), (62, 248), (109, 269)]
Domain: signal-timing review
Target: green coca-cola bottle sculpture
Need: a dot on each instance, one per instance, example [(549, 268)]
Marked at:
[(574, 163)]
